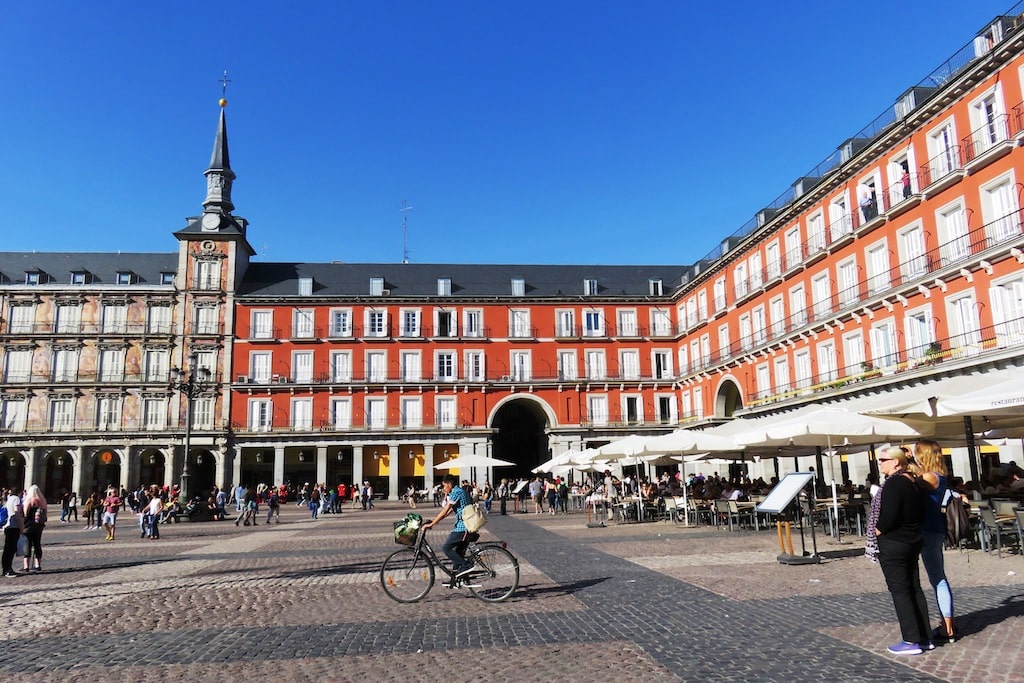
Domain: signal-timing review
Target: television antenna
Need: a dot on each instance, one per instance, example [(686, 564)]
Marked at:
[(405, 230)]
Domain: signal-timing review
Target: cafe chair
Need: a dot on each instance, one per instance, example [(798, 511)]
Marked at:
[(993, 528)]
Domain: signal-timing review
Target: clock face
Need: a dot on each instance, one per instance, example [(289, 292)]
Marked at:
[(211, 221)]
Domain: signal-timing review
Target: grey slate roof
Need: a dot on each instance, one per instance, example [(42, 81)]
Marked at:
[(418, 280), (102, 267)]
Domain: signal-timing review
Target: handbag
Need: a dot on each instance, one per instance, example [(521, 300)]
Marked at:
[(473, 517), (22, 546)]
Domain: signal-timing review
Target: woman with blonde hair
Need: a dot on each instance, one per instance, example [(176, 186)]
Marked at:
[(34, 506), (898, 530), (933, 479)]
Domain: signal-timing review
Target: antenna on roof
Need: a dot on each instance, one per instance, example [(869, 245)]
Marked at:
[(405, 231)]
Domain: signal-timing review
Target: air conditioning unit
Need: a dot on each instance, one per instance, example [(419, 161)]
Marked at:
[(243, 379), (385, 292), (282, 380), (506, 378)]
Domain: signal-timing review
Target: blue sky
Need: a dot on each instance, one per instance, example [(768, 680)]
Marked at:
[(555, 131)]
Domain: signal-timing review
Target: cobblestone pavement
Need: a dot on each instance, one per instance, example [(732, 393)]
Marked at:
[(654, 601)]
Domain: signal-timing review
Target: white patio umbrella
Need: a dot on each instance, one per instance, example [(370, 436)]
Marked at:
[(472, 460), (571, 458), (627, 447), (831, 425), (1005, 398), (688, 441)]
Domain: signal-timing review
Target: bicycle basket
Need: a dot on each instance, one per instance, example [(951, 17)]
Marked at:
[(407, 529)]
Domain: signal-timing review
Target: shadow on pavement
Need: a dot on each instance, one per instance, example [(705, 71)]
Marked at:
[(976, 622), (547, 590)]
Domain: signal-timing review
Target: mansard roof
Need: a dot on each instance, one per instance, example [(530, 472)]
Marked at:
[(102, 268), (419, 280)]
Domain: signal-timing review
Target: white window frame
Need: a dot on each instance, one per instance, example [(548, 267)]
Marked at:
[(340, 323)]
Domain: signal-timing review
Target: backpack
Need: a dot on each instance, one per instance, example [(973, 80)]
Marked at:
[(4, 515), (958, 521)]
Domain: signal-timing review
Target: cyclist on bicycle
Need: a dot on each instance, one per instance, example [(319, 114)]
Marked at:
[(459, 539)]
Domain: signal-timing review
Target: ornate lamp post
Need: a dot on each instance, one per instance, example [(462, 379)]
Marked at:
[(191, 383)]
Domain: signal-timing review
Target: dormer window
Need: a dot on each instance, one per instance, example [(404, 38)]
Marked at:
[(590, 287), (305, 286), (655, 288), (518, 286), (125, 277), (376, 286), (79, 277), (167, 278), (444, 286)]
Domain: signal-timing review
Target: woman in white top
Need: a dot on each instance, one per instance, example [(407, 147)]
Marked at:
[(154, 509)]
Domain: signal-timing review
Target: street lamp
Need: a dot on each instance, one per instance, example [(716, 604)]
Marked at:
[(191, 383)]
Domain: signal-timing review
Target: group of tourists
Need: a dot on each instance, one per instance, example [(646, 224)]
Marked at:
[(23, 518)]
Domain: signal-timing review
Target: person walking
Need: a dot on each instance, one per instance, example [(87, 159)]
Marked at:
[(111, 506), (90, 502), (153, 509), (73, 506), (273, 506), (933, 478), (13, 526), (34, 506), (899, 547)]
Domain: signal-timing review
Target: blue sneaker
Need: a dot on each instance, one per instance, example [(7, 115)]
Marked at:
[(905, 648)]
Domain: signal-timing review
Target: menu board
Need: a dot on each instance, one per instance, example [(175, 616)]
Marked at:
[(785, 491)]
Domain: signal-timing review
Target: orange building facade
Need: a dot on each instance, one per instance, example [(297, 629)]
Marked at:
[(897, 261)]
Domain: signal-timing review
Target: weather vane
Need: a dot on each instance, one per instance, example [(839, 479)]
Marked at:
[(224, 80)]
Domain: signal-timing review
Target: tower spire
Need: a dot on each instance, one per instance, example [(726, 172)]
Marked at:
[(219, 175)]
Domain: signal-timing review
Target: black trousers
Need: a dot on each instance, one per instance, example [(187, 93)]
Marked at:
[(11, 536), (900, 567)]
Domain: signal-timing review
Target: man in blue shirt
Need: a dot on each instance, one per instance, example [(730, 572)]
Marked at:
[(459, 539)]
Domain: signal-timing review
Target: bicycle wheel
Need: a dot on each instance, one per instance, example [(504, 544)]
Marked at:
[(407, 576), (498, 577)]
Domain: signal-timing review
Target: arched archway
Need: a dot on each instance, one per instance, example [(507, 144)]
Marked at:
[(728, 399), (151, 468), (520, 425), (57, 474), (106, 470), (12, 470), (204, 474)]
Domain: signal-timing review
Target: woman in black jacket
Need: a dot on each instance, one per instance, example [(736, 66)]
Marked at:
[(899, 544)]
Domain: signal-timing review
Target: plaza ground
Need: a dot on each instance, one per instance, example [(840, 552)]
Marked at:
[(655, 601)]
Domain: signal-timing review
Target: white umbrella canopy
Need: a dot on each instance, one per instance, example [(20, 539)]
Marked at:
[(471, 460), (688, 441), (1005, 398), (627, 447), (831, 425), (569, 459)]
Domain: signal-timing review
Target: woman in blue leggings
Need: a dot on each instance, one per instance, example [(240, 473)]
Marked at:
[(930, 468)]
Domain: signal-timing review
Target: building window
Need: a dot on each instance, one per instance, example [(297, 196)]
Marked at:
[(167, 278), (376, 413), (655, 288), (522, 368), (69, 318), (341, 413), (79, 277), (156, 365), (597, 406), (203, 412), (849, 288), (19, 366), (627, 324), (341, 366), (665, 405), (593, 324), (741, 284), (632, 410), (111, 365), (154, 414), (305, 286), (159, 319), (567, 365), (412, 413), (376, 366), (262, 325), (65, 365), (410, 323), (954, 241), (1007, 302), (446, 324), (520, 323), (261, 415), (918, 332), (756, 270), (446, 415), (798, 306), (965, 326), (853, 353), (661, 323), (518, 287), (475, 371), (207, 274), (720, 295), (302, 324), (794, 252), (302, 414), (302, 367), (746, 337), (125, 278), (840, 222), (629, 364), (821, 291), (565, 324), (445, 366), (260, 364), (376, 324), (661, 364), (884, 353), (12, 414), (878, 269), (207, 320), (759, 325), (827, 362), (596, 367), (999, 207), (376, 286), (473, 323), (913, 261), (444, 286), (782, 375), (411, 366), (115, 318), (774, 260), (341, 322), (815, 233), (764, 381), (802, 367), (589, 287), (944, 152)]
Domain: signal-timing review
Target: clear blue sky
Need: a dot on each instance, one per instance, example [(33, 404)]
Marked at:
[(535, 131)]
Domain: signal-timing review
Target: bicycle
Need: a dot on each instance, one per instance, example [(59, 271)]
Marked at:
[(407, 575)]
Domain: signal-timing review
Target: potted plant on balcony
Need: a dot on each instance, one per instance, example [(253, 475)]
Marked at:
[(933, 353), (868, 370)]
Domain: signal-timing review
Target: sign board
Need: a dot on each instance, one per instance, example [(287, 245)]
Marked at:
[(785, 491)]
